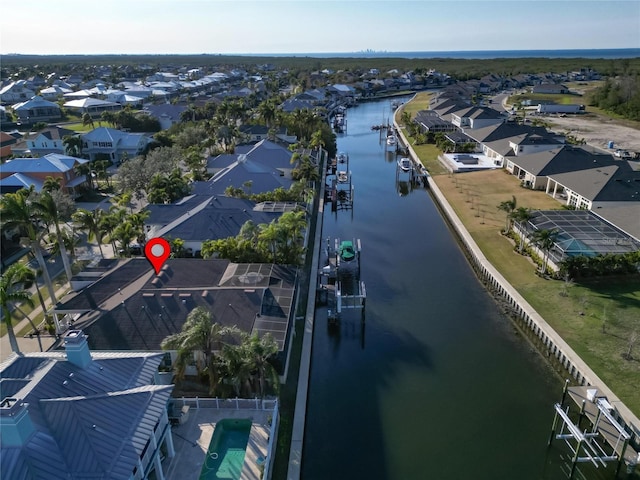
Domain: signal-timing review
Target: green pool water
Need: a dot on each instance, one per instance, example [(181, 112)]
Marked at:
[(225, 456)]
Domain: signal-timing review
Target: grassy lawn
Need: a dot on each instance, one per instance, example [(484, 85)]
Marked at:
[(577, 311), (562, 99), (597, 319), (80, 128)]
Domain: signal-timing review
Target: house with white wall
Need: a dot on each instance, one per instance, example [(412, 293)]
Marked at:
[(103, 141)]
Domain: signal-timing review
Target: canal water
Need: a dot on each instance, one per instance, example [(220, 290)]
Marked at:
[(436, 383)]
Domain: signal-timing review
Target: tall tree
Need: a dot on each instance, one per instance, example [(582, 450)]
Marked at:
[(508, 206), (521, 216), (16, 211), (89, 221), (12, 290), (72, 145), (201, 337), (48, 211), (545, 240)]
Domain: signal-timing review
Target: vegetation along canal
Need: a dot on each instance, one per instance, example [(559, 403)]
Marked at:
[(436, 384)]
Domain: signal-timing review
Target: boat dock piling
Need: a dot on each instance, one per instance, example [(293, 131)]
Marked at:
[(339, 189), (339, 284), (603, 441)]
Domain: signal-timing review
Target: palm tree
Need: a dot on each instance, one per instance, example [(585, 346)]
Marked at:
[(125, 233), (545, 239), (259, 350), (267, 111), (72, 145), (12, 290), (89, 221), (16, 211), (48, 212), (235, 367), (87, 120), (201, 336), (508, 206), (521, 215), (107, 225), (50, 184), (269, 236)]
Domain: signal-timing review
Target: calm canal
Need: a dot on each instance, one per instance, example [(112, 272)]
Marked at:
[(437, 385)]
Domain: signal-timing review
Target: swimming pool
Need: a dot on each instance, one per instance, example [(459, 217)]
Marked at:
[(225, 456)]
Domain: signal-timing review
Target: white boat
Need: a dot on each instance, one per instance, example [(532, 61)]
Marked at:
[(343, 176), (391, 140), (342, 157), (404, 164)]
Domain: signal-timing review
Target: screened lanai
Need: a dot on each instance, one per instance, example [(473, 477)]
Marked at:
[(581, 232)]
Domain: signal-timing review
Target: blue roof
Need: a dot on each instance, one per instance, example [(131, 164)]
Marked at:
[(90, 422), (52, 162)]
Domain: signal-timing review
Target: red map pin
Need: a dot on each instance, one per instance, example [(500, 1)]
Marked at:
[(157, 250)]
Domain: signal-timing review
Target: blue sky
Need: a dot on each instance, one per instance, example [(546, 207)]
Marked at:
[(300, 26)]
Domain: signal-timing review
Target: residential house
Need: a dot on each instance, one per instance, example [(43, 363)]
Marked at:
[(476, 117), (53, 93), (256, 133), (429, 121), (82, 414), (198, 218), (103, 142), (7, 141), (37, 109), (20, 173), (580, 177), (504, 149), (166, 113), (15, 92), (132, 308), (265, 157), (38, 144), (92, 106), (605, 182)]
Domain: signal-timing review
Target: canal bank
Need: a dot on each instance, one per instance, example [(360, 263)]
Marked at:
[(432, 381), (548, 343)]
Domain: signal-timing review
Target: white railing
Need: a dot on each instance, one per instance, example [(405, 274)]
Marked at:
[(228, 403)]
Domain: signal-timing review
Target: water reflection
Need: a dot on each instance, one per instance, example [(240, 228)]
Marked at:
[(434, 383)]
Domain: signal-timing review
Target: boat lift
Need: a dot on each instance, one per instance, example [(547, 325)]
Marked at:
[(339, 284), (605, 441), (340, 186)]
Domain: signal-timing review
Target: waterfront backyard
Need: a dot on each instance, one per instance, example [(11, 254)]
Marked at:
[(598, 318)]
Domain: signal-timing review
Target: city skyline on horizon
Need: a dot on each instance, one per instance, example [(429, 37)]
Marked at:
[(263, 27)]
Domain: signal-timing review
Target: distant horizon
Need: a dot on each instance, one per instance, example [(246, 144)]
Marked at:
[(625, 52), (278, 27)]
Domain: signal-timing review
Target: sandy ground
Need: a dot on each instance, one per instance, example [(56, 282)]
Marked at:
[(597, 132)]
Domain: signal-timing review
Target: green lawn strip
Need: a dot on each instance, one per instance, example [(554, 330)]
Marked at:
[(619, 298)]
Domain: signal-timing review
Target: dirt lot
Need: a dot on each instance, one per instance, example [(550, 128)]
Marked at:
[(597, 131)]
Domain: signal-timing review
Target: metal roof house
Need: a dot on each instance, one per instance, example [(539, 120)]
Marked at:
[(79, 414), (24, 172), (48, 140), (37, 109), (114, 143), (204, 217)]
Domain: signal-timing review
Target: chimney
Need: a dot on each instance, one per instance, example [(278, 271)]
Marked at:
[(77, 348), (15, 424)]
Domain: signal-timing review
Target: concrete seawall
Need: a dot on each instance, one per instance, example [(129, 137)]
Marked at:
[(524, 315)]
